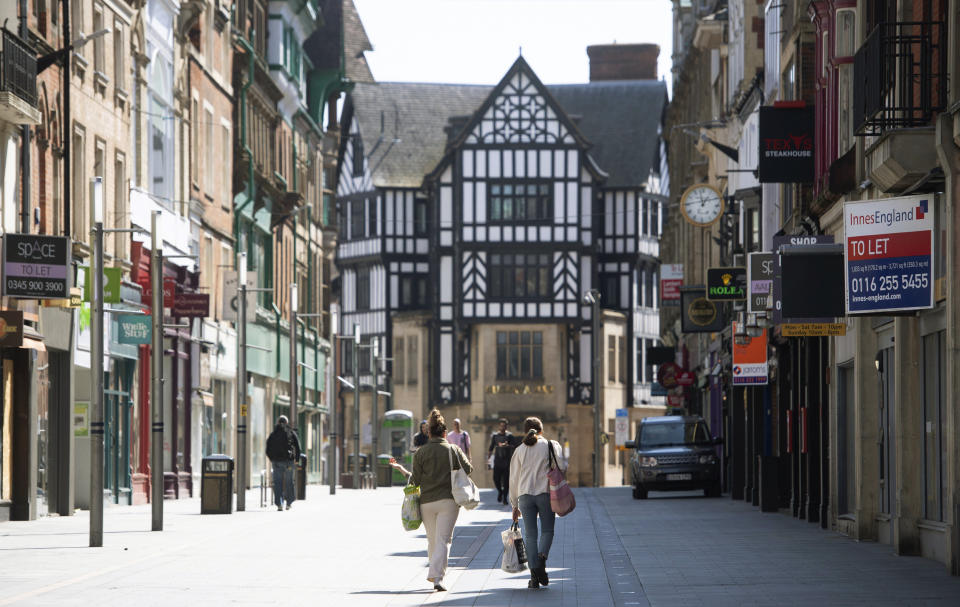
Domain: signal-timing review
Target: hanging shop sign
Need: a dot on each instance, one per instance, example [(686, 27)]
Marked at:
[(889, 247), (727, 284), (135, 329), (112, 277), (191, 305), (786, 144), (699, 314), (36, 267), (169, 291), (671, 279), (776, 313), (11, 329), (759, 281), (231, 300), (667, 375), (750, 360)]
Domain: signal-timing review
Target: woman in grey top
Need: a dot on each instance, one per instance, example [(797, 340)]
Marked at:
[(431, 471)]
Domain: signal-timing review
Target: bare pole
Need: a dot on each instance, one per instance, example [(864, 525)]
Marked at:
[(242, 473), (332, 389), (356, 406), (294, 371), (374, 368), (96, 366), (156, 375)]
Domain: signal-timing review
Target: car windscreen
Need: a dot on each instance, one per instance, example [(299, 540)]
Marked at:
[(673, 434)]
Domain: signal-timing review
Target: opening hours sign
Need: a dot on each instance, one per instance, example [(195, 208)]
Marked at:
[(889, 254)]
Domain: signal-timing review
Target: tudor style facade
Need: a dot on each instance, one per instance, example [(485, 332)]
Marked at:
[(473, 220)]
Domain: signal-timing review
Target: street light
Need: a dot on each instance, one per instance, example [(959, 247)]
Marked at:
[(334, 453), (96, 365), (592, 298), (294, 369)]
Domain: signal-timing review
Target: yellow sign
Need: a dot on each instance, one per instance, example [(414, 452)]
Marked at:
[(76, 297), (520, 389), (813, 329), (243, 410)]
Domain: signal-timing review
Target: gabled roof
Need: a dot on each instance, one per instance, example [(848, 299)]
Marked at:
[(403, 126), (407, 127), (620, 118)]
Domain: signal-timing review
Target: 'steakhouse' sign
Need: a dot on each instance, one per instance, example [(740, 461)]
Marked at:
[(36, 266), (727, 284), (786, 143)]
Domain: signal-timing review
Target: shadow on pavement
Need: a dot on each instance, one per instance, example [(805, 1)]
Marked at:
[(420, 591), (419, 553)]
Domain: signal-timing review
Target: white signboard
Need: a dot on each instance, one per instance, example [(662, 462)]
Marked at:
[(231, 302), (889, 254), (621, 428)]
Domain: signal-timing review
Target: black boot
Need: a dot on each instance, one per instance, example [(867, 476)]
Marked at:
[(541, 571), (534, 580)]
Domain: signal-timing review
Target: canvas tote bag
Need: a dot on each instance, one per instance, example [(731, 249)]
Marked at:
[(465, 492)]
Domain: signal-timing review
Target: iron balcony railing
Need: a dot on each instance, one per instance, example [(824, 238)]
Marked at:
[(18, 68), (900, 76)]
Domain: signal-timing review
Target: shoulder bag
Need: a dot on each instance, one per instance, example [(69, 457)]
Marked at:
[(562, 501), (465, 492)]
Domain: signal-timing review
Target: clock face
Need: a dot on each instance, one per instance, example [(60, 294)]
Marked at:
[(701, 205)]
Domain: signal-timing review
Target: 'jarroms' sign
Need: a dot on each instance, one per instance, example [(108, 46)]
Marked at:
[(36, 267)]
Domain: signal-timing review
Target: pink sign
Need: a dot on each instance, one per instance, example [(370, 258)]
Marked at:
[(671, 279)]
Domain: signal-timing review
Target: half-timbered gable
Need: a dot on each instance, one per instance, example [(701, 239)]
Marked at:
[(494, 210)]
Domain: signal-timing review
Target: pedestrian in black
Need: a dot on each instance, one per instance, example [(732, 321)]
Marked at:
[(502, 444), (283, 449), (420, 438)]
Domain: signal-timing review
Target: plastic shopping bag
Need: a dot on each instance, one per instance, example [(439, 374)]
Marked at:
[(514, 556), (410, 510)]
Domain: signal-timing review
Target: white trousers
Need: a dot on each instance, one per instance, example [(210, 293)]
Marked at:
[(439, 518)]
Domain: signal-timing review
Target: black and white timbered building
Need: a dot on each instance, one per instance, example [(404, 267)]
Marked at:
[(472, 221)]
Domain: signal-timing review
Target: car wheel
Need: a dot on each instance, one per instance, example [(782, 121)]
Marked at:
[(639, 493)]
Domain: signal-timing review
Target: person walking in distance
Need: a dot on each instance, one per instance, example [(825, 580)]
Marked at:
[(283, 449), (431, 471), (460, 438), (420, 438), (501, 449), (530, 496)]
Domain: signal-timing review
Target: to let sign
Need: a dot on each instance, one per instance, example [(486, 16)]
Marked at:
[(671, 279), (750, 360), (36, 266), (134, 329), (889, 247)]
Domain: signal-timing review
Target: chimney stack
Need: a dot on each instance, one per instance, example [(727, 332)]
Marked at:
[(623, 61)]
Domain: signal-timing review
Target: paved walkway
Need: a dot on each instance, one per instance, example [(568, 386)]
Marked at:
[(350, 549)]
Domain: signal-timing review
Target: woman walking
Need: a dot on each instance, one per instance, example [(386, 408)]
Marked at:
[(431, 471), (530, 495)]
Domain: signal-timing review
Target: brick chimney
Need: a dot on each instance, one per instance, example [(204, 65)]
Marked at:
[(623, 61)]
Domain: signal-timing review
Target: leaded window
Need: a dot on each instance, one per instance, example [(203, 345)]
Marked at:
[(523, 202), (413, 291), (519, 355), (356, 220), (520, 276), (363, 289)]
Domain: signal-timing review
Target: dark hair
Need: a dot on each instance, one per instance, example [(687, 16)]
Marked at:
[(532, 426), (436, 426), (503, 420)]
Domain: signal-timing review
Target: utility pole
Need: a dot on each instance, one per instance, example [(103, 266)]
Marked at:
[(96, 366), (242, 473), (156, 375), (294, 371), (356, 406), (332, 389), (592, 297), (375, 370)]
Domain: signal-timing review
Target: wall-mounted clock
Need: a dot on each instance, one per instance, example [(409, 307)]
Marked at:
[(701, 205)]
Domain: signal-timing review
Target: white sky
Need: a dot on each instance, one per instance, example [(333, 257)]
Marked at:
[(476, 41)]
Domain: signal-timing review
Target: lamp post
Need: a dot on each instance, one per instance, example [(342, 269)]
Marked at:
[(334, 453), (374, 369), (156, 376), (242, 473), (592, 297), (356, 406), (96, 365), (294, 366)]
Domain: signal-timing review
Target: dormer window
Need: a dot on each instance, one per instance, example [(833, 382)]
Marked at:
[(511, 202)]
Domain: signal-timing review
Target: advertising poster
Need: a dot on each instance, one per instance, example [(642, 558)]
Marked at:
[(750, 361), (889, 249), (759, 281)]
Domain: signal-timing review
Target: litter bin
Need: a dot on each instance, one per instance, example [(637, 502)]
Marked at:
[(302, 477), (384, 471), (216, 485)]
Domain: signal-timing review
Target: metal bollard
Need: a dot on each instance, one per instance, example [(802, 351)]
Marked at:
[(263, 488)]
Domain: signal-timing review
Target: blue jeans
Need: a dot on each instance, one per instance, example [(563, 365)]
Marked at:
[(283, 482), (530, 507)]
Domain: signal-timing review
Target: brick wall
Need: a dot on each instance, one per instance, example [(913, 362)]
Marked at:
[(623, 61)]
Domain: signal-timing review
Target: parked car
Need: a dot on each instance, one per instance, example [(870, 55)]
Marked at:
[(674, 453)]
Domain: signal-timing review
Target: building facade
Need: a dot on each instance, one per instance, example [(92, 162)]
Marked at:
[(473, 220)]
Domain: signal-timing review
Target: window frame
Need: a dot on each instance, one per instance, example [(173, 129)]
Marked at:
[(502, 289), (543, 201), (512, 349)]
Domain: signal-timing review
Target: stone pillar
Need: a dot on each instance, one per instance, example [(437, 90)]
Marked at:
[(908, 408), (866, 453)]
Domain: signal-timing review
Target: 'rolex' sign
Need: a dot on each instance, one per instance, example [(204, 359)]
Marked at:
[(727, 284)]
